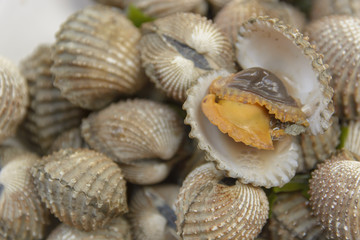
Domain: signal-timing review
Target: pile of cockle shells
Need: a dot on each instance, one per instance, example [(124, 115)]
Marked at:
[(191, 126)]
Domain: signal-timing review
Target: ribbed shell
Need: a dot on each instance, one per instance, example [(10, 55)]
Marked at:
[(81, 187), (14, 98), (134, 129), (116, 229), (335, 193), (321, 8), (338, 39), (318, 148), (281, 49), (352, 139), (22, 215), (210, 206), (152, 212), (68, 139), (234, 14), (177, 49), (49, 113), (291, 219), (258, 167), (96, 57)]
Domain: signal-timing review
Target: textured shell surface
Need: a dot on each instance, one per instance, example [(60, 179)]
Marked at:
[(96, 57), (266, 168), (177, 49), (152, 212), (281, 49), (321, 8), (68, 139), (14, 98), (49, 113), (81, 187), (291, 219), (234, 14), (211, 206), (117, 229), (134, 129), (338, 38), (22, 215), (352, 139), (334, 195)]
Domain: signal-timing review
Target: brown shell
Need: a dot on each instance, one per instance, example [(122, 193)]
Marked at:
[(96, 58), (22, 215), (335, 195), (49, 113), (117, 229), (152, 212), (14, 98), (218, 4), (211, 206), (234, 14), (291, 219), (68, 139), (134, 129), (321, 8), (337, 38), (177, 49), (81, 187)]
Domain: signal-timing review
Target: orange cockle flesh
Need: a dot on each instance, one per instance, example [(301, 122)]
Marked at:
[(247, 123)]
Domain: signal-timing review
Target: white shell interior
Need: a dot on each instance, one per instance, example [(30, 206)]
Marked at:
[(258, 167)]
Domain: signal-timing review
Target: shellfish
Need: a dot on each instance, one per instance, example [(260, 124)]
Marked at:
[(352, 138), (321, 8), (96, 58), (68, 139), (177, 49), (211, 206), (81, 187)]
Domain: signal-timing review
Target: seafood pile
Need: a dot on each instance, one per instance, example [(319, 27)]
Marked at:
[(194, 120)]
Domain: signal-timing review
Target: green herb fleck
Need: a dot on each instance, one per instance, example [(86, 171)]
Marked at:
[(137, 16)]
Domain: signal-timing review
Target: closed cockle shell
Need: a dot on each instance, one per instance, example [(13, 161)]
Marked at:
[(96, 58), (69, 139), (321, 8), (352, 138), (338, 38), (117, 229), (134, 129), (22, 215), (234, 14), (49, 113), (212, 206), (152, 212), (14, 98), (291, 219), (334, 195), (177, 49), (81, 187)]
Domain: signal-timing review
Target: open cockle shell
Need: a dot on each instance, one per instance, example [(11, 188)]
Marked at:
[(281, 49), (81, 187), (22, 215), (258, 167), (96, 57), (177, 49), (211, 206)]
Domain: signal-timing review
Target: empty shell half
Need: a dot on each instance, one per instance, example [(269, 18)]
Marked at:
[(281, 49), (177, 49), (212, 206), (334, 195), (337, 38), (81, 187), (321, 8), (134, 129), (14, 98), (22, 215), (96, 57)]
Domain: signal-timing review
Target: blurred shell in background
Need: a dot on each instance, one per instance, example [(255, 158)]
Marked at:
[(81, 187), (68, 139), (218, 4), (96, 58), (352, 138), (177, 49), (212, 206), (152, 212), (338, 39), (22, 215), (14, 98), (49, 113), (321, 8), (334, 195), (117, 229)]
